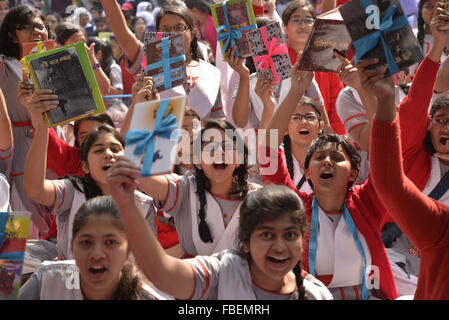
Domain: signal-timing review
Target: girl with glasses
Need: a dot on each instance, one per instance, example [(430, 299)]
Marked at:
[(298, 19), (21, 24), (203, 83)]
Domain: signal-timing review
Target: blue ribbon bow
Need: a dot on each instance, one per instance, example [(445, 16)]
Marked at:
[(166, 63), (16, 256), (230, 35), (368, 42), (145, 140)]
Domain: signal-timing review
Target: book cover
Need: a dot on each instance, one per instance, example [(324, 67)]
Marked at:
[(105, 36), (29, 48), (13, 236), (232, 19), (379, 29), (270, 52), (153, 135), (328, 33), (155, 36), (167, 62), (68, 72)]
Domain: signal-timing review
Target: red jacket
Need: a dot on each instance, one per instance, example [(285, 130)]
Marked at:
[(414, 120), (367, 212), (424, 220)]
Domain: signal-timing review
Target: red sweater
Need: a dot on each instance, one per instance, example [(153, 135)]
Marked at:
[(62, 158), (330, 86), (424, 220), (367, 212), (414, 120)]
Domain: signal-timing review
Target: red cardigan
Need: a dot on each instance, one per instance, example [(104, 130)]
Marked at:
[(367, 212), (63, 159), (424, 220), (414, 121), (330, 86)]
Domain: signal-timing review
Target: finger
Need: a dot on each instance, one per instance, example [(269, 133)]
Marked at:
[(340, 56), (363, 63)]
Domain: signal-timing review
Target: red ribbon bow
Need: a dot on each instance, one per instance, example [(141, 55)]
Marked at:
[(265, 61)]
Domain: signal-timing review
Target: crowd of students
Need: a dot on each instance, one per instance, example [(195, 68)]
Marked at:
[(355, 207)]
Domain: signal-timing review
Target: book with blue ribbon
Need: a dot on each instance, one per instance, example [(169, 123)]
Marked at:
[(329, 33), (154, 133), (232, 19), (154, 36), (380, 29), (270, 52), (13, 237), (166, 62)]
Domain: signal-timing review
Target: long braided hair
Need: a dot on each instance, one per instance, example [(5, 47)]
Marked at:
[(269, 204), (287, 142), (240, 188)]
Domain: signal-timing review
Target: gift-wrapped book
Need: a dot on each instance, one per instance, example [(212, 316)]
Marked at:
[(232, 19), (166, 62), (379, 29), (153, 135), (270, 53)]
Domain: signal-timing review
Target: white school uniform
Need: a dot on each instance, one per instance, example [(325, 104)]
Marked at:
[(226, 276), (203, 93), (59, 280), (69, 200), (342, 262), (256, 105), (221, 216)]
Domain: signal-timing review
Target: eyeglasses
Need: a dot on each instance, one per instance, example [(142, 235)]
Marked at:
[(30, 27), (213, 146), (177, 28), (310, 117), (439, 122), (298, 21)]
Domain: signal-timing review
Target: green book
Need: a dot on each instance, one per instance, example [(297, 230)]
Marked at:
[(68, 72)]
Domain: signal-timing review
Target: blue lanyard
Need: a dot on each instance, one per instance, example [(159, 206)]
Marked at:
[(313, 243)]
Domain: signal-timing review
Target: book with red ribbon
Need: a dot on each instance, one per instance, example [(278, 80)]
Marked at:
[(270, 52)]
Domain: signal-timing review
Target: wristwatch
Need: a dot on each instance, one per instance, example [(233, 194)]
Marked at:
[(96, 66)]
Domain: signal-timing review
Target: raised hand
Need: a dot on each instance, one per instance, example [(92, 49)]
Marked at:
[(144, 90), (439, 25), (264, 89), (235, 62), (41, 101), (300, 80), (350, 74), (122, 180)]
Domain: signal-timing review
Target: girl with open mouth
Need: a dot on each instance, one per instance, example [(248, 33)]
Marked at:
[(343, 242), (62, 198), (266, 265), (206, 204), (103, 268)]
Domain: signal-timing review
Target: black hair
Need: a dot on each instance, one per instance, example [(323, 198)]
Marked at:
[(17, 16), (287, 143), (89, 186), (421, 24), (268, 204), (102, 118), (337, 140), (134, 21), (100, 19), (65, 30), (188, 112), (201, 5), (203, 184), (293, 6), (442, 102), (179, 8), (130, 284), (105, 47)]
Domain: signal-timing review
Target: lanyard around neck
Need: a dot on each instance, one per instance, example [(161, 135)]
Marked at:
[(313, 243)]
